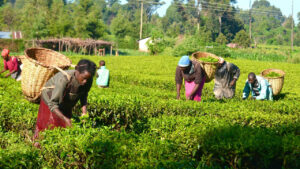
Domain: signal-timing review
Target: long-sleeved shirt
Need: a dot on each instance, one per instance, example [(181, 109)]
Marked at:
[(263, 90), (12, 64), (103, 76), (61, 93), (223, 76), (195, 73)]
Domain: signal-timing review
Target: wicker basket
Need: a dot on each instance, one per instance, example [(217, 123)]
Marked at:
[(39, 65), (208, 67), (275, 82)]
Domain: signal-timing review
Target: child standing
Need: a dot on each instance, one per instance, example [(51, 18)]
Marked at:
[(102, 75)]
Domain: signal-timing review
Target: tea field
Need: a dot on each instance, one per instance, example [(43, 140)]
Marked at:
[(138, 123)]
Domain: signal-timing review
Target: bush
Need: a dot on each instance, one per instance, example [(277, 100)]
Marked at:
[(13, 45), (294, 59), (156, 44), (242, 39), (221, 39)]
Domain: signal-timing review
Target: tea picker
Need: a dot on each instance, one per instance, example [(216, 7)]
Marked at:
[(12, 64), (61, 93), (225, 79), (259, 87), (193, 76)]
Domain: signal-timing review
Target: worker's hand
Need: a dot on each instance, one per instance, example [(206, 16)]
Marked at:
[(253, 98), (232, 83), (178, 97), (189, 97), (68, 122), (7, 75)]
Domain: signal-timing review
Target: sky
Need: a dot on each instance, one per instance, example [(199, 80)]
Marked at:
[(284, 5)]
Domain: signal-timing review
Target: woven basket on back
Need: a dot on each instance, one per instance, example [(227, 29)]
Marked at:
[(39, 65), (275, 82), (208, 67)]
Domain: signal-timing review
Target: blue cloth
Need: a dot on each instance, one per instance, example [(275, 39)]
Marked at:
[(265, 91), (103, 76), (184, 61)]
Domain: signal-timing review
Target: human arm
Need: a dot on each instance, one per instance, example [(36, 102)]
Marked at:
[(246, 91), (2, 71), (5, 68), (236, 74), (62, 116), (178, 87), (83, 99), (191, 96), (8, 74), (178, 80), (198, 79)]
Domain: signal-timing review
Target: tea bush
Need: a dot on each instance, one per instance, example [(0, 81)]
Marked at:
[(138, 123)]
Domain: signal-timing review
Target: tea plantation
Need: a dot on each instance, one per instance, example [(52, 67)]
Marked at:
[(138, 123)]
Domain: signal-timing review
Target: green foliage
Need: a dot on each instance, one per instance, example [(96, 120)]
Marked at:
[(242, 39), (208, 59), (15, 45), (156, 44), (273, 74), (138, 123), (221, 39)]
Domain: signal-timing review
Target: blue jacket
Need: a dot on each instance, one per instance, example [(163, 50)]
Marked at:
[(265, 91)]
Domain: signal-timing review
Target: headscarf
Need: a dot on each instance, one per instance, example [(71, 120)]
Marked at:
[(5, 52), (184, 61)]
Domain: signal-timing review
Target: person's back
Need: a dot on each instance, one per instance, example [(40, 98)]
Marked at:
[(102, 75)]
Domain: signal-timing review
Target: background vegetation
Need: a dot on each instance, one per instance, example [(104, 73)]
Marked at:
[(217, 21), (138, 123)]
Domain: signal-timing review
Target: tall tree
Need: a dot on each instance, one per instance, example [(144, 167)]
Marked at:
[(34, 19)]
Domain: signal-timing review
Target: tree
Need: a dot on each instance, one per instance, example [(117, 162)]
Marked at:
[(156, 44), (59, 20), (221, 39), (8, 17), (34, 19), (242, 39)]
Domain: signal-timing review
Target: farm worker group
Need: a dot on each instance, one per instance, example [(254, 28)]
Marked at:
[(226, 77), (61, 93), (12, 64)]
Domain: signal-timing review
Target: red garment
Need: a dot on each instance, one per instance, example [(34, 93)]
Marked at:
[(12, 64), (47, 119)]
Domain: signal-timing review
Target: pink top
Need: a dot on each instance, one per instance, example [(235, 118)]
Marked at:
[(12, 64)]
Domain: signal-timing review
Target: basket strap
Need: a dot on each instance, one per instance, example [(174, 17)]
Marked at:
[(48, 87), (62, 71)]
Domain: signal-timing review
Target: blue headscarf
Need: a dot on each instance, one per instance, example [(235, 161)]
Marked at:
[(184, 61)]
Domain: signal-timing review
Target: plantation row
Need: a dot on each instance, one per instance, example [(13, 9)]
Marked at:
[(138, 123)]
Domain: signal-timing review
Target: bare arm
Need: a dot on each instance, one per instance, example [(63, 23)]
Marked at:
[(178, 87), (7, 75), (3, 71), (190, 97), (84, 110), (61, 115)]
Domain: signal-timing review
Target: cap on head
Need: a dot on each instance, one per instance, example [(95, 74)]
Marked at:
[(5, 52), (184, 61)]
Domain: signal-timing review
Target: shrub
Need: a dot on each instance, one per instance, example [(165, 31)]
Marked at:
[(242, 39), (156, 44)]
